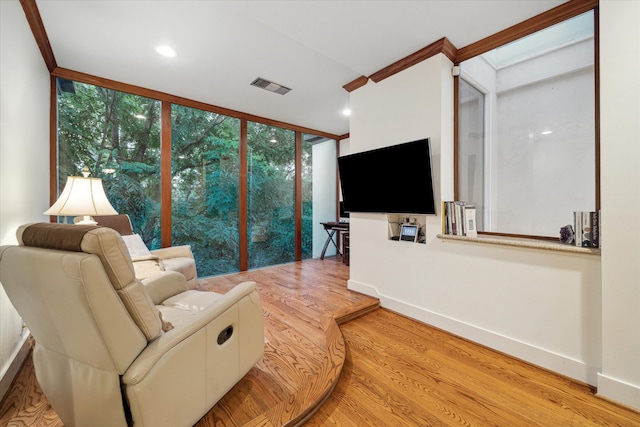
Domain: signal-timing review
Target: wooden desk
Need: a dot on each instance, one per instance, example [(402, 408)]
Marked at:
[(332, 228)]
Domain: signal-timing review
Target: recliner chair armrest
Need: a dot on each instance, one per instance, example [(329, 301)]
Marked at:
[(173, 252), (158, 348), (164, 285), (145, 258)]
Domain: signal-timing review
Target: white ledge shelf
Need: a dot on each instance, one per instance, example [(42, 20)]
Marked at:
[(522, 243)]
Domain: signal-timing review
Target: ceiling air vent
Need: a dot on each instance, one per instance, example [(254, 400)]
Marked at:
[(313, 139), (270, 86)]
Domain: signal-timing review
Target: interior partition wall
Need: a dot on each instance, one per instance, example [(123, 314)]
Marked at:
[(319, 193)]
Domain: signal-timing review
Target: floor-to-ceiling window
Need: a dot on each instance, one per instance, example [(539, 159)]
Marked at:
[(290, 184), (271, 188), (204, 187), (117, 136)]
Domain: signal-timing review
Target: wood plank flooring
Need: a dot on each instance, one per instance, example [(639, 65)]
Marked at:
[(399, 372), (304, 351), (387, 370)]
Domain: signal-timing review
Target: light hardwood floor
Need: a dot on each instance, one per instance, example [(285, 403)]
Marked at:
[(387, 370), (399, 372)]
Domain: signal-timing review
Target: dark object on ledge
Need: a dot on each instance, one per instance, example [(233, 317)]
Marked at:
[(567, 235)]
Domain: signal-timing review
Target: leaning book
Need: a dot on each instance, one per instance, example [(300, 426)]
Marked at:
[(586, 227)]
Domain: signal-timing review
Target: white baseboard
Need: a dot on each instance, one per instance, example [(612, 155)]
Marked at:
[(22, 350), (563, 365), (619, 391)]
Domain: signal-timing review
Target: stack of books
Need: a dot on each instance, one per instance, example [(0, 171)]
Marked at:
[(586, 228), (459, 219)]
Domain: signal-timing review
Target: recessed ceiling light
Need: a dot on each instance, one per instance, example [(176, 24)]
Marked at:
[(346, 112), (165, 50), (547, 132)]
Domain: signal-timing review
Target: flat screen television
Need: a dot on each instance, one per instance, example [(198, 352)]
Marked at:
[(394, 179)]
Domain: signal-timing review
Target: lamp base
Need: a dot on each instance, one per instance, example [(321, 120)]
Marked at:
[(84, 220)]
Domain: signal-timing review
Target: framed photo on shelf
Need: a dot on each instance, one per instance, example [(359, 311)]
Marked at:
[(409, 232)]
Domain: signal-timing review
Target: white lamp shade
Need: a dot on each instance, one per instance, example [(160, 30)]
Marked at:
[(82, 196)]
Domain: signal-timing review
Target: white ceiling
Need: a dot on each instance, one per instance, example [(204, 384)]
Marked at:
[(312, 47)]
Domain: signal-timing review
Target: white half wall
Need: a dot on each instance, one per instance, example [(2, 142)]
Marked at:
[(24, 156), (539, 306), (620, 177)]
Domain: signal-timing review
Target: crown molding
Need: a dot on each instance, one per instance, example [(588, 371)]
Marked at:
[(355, 84), (39, 33), (441, 46), (539, 22)]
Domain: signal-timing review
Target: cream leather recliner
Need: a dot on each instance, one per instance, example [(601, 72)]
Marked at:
[(113, 351), (147, 263)]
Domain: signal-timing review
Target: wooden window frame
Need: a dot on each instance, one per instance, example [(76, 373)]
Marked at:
[(545, 20), (165, 173)]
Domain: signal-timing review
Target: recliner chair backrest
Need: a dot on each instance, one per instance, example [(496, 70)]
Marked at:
[(108, 246)]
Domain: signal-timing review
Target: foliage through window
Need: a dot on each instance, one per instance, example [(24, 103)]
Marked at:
[(204, 187), (117, 135), (271, 181)]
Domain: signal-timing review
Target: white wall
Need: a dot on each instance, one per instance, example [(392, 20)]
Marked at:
[(24, 154), (344, 147), (540, 306), (324, 193), (575, 314), (620, 169)]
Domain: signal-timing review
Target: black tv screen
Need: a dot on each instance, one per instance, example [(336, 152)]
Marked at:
[(395, 179)]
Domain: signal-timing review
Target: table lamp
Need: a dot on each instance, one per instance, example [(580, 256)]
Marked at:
[(82, 196)]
